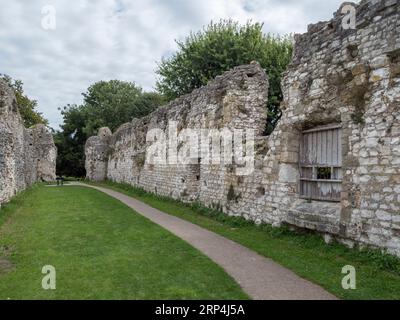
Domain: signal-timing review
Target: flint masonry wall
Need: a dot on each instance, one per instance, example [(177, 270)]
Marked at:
[(349, 77), (345, 77), (235, 100), (26, 155)]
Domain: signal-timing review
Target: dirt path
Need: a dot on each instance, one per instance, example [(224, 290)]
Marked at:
[(260, 277)]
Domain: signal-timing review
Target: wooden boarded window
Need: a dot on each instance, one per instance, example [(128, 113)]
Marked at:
[(321, 163)]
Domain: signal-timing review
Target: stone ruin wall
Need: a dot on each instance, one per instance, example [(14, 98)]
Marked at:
[(350, 77), (346, 77), (234, 100), (26, 155)]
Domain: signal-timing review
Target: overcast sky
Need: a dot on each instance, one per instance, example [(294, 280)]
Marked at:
[(120, 39)]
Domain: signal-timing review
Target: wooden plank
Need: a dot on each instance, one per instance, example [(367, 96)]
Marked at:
[(325, 190), (323, 128), (322, 180), (324, 200), (312, 189), (309, 148), (306, 172), (334, 147), (309, 144), (336, 192), (323, 147), (329, 152), (339, 153), (301, 150), (317, 192), (318, 147), (308, 188), (338, 174), (311, 166), (315, 148)]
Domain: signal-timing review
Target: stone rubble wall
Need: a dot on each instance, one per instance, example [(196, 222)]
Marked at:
[(347, 77), (97, 150), (235, 100), (351, 77), (26, 155)]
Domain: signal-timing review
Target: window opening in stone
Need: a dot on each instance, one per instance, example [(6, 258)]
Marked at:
[(321, 163)]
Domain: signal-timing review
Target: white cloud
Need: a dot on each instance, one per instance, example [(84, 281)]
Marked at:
[(120, 39)]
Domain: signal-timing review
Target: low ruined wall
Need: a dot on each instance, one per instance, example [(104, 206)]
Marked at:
[(26, 155), (235, 100), (349, 78)]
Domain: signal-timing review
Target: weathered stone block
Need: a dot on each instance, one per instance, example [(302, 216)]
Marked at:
[(26, 155)]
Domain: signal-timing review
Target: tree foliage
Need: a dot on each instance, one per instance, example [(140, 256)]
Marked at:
[(105, 104), (27, 107), (220, 47), (112, 103), (70, 142)]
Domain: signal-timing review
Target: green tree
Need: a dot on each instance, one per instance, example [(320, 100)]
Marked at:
[(27, 107), (70, 142), (220, 47), (106, 104), (112, 103)]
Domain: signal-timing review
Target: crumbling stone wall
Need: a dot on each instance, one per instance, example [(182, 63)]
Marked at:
[(26, 155), (349, 77), (235, 100), (346, 77), (97, 150)]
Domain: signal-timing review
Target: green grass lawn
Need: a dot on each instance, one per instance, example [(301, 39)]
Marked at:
[(378, 275), (101, 249)]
